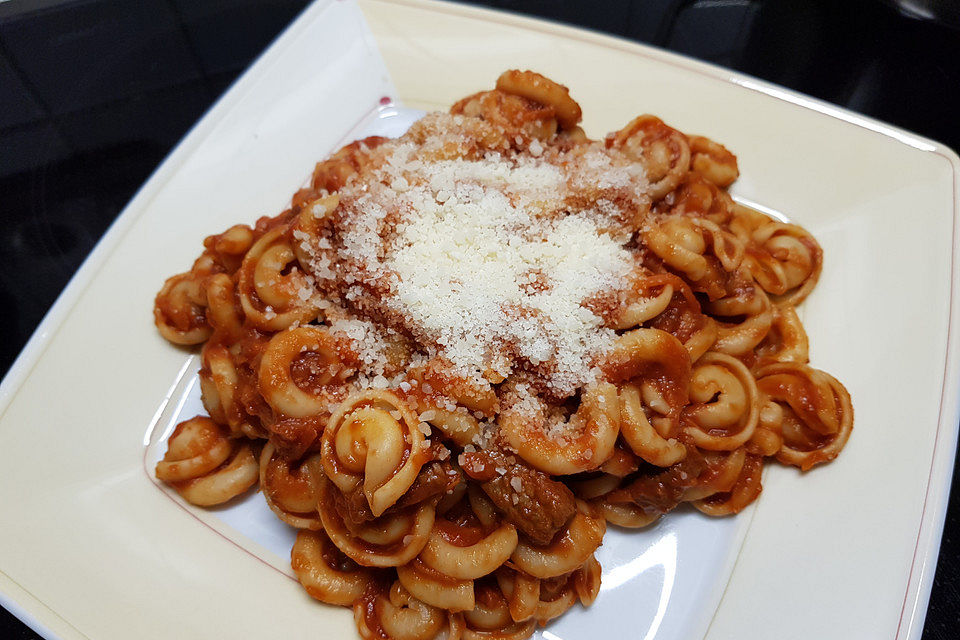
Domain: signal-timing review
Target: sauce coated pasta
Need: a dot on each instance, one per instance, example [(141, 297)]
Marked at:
[(462, 354)]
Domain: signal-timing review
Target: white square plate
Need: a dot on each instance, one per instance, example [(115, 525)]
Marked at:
[(90, 548)]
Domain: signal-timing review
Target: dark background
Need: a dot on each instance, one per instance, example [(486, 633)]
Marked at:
[(95, 93)]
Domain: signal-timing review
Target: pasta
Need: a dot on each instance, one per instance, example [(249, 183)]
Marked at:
[(462, 354)]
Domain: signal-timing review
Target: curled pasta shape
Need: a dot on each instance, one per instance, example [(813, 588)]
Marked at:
[(218, 380), (702, 338), (223, 312), (373, 441), (219, 388), (522, 593), (683, 244), (684, 320), (204, 466), (475, 395), (504, 117), (288, 490), (767, 440), (656, 361), (785, 260), (269, 288), (713, 161), (238, 474), (234, 242), (536, 87), (587, 581), (310, 221), (624, 514), (647, 297), (490, 619), (462, 428), (588, 436), (746, 220), (721, 473), (435, 587), (743, 298), (816, 412), (325, 573), (786, 341), (557, 595), (332, 174), (595, 486), (663, 151), (396, 615), (679, 243), (196, 447), (391, 540), (725, 406), (641, 436), (738, 339), (297, 367), (700, 198), (569, 549), (468, 559), (621, 464), (725, 246), (746, 489), (179, 310)]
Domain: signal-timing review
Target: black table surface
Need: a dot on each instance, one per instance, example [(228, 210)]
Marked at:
[(95, 93)]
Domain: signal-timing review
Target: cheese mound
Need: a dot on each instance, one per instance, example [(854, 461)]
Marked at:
[(496, 261)]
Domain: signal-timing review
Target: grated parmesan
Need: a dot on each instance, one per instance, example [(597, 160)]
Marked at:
[(489, 260)]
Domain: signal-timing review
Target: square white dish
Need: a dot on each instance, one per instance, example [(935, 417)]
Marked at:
[(90, 548)]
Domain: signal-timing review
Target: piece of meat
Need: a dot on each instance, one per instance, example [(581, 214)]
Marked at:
[(435, 478), (538, 505), (659, 489), (353, 508), (293, 437)]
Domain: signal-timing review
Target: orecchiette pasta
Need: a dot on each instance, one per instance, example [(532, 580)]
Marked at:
[(460, 355)]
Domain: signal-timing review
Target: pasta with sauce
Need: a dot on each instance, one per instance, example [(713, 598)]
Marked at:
[(462, 353)]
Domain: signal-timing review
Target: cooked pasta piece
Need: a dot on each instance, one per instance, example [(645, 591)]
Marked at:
[(325, 573), (204, 465)]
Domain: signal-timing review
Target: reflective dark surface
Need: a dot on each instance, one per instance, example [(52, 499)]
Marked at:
[(94, 94)]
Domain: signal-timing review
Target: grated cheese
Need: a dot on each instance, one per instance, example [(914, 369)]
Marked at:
[(486, 259)]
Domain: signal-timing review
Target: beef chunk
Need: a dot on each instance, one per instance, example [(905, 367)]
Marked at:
[(538, 505), (353, 508), (659, 489), (435, 479)]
